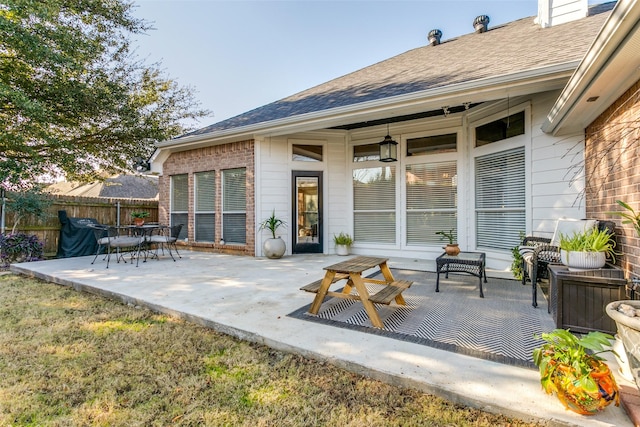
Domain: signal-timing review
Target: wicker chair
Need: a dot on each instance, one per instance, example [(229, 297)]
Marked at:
[(538, 252)]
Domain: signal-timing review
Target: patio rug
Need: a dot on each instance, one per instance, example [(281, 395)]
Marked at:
[(500, 327)]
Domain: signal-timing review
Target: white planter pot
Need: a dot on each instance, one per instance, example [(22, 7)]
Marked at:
[(274, 248), (583, 260), (342, 250), (629, 333)]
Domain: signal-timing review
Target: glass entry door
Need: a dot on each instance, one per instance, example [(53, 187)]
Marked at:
[(307, 211)]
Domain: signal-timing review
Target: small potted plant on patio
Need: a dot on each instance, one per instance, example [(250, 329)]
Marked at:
[(343, 242), (587, 250), (139, 216), (451, 248), (273, 247), (582, 381)]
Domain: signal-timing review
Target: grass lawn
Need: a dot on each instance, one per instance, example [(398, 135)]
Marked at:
[(73, 359)]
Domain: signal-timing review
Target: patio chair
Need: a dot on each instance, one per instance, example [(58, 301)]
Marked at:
[(100, 234), (116, 240), (166, 237), (538, 252)]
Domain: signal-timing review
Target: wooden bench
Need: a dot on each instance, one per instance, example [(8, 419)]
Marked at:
[(315, 286), (390, 291)]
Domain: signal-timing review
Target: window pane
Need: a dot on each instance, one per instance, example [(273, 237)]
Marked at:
[(181, 218), (307, 153), (500, 199), (432, 201), (205, 227), (422, 227), (234, 228), (374, 194), (180, 193), (432, 144), (363, 153), (498, 130), (234, 190), (205, 191)]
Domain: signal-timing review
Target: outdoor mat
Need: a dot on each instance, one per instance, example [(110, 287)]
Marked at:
[(500, 327)]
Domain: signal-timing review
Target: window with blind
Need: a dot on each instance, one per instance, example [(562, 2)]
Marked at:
[(205, 206), (234, 206), (180, 203), (374, 199), (500, 199), (432, 201)]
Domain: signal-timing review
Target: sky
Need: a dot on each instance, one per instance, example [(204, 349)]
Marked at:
[(238, 55)]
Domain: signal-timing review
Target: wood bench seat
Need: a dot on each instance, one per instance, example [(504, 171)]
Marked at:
[(315, 286), (390, 291)]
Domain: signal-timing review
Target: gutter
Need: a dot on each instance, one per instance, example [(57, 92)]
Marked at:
[(335, 116), (605, 46)]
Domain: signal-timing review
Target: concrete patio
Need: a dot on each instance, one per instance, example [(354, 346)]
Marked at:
[(250, 298)]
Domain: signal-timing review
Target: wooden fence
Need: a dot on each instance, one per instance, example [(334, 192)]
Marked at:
[(104, 210)]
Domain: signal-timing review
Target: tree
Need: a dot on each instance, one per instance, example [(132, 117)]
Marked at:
[(75, 99), (32, 202)]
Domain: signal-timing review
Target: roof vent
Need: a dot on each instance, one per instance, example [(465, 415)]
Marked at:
[(481, 23), (434, 37)]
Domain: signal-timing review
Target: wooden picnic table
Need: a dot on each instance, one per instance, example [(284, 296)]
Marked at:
[(351, 270)]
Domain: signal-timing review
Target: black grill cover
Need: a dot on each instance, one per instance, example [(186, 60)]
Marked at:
[(76, 239)]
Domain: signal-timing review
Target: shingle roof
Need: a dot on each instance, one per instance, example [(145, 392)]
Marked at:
[(507, 49), (117, 187)]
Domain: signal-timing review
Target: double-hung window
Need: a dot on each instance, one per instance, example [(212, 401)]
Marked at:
[(374, 199), (180, 202), (234, 206), (500, 199), (205, 206), (500, 182), (432, 201)]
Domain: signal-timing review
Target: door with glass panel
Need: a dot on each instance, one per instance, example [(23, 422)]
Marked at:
[(307, 212)]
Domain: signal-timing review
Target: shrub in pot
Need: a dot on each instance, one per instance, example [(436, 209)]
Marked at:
[(571, 368), (273, 247), (587, 250), (138, 217), (451, 248), (343, 242)]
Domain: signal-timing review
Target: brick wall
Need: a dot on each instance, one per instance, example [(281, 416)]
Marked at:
[(612, 168), (216, 158)]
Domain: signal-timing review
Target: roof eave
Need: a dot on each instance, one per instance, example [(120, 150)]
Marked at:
[(481, 90), (610, 66)]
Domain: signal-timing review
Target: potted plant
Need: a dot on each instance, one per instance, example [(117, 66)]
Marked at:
[(451, 248), (343, 242), (273, 247), (138, 217), (581, 380), (587, 250)]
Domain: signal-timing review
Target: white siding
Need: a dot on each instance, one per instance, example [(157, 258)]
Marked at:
[(555, 188), (554, 12), (273, 182)]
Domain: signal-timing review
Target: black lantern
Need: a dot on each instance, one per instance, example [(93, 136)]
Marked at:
[(388, 149)]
